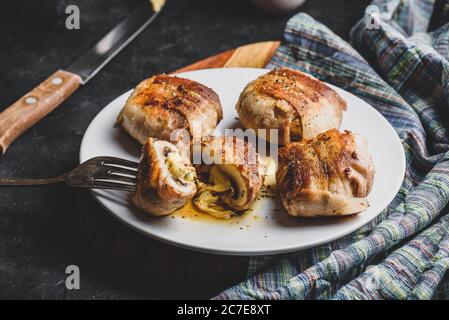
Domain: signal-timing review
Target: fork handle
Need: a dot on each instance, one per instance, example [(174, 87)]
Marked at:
[(30, 182), (35, 105)]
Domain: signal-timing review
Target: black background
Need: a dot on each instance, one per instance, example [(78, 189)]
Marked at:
[(42, 230)]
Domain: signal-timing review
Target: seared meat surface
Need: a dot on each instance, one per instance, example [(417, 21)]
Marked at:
[(330, 175), (296, 104), (161, 104)]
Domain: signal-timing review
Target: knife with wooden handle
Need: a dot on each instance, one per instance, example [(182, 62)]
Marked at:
[(40, 101)]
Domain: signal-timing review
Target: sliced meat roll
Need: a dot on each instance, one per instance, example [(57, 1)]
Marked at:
[(296, 104), (233, 175), (327, 176), (165, 179), (162, 104)]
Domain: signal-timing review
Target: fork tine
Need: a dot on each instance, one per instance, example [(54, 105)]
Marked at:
[(120, 166), (119, 170), (118, 162), (112, 176), (104, 173), (102, 184)]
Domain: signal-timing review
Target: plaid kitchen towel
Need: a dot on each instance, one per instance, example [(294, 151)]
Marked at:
[(400, 68)]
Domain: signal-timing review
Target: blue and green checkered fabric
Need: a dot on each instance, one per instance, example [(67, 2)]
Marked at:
[(399, 67)]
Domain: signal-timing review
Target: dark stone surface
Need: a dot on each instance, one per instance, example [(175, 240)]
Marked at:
[(42, 230)]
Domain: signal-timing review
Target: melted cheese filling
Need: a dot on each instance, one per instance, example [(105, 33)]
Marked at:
[(181, 173)]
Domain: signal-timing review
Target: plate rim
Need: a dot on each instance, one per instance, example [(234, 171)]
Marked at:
[(252, 252)]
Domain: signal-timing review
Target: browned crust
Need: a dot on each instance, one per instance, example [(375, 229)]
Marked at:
[(184, 102), (295, 103), (316, 161), (145, 174), (297, 88), (165, 97)]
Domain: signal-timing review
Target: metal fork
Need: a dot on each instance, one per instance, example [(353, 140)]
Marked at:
[(96, 173)]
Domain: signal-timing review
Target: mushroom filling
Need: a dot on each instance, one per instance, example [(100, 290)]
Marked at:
[(211, 198), (181, 173), (238, 198)]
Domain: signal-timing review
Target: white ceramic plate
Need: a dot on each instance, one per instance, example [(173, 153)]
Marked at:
[(267, 229)]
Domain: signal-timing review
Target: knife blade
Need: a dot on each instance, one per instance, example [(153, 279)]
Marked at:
[(88, 65), (44, 98)]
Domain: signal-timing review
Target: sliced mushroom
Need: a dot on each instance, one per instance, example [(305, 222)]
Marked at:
[(330, 175), (234, 177), (165, 179)]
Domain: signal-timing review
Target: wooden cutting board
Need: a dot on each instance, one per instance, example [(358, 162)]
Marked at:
[(254, 55)]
